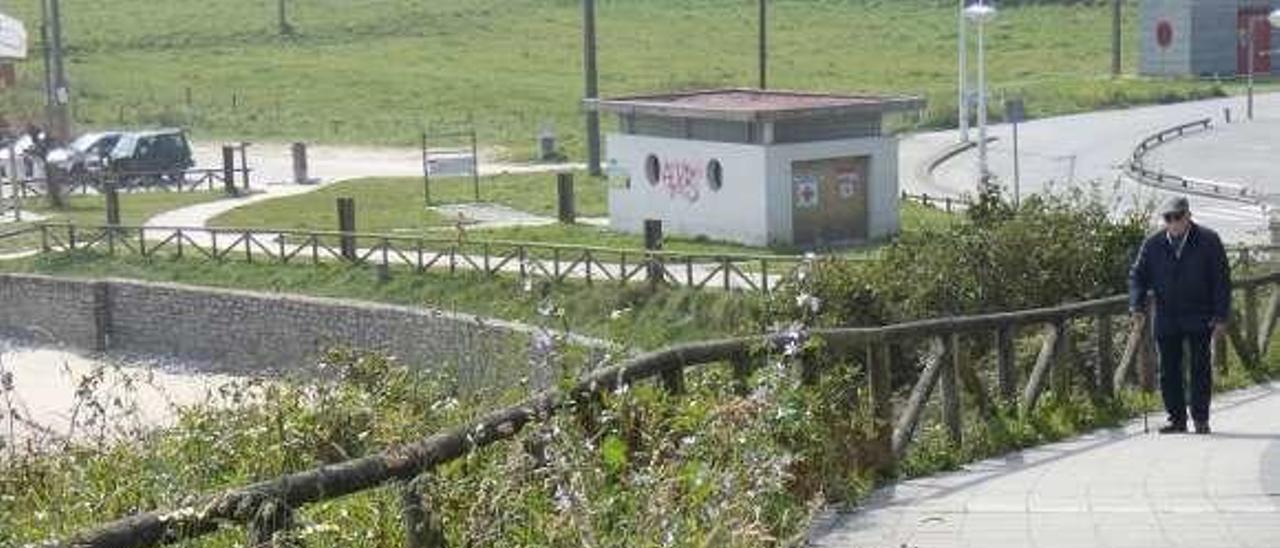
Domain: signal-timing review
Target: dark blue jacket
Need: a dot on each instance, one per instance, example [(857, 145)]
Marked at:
[(1193, 291)]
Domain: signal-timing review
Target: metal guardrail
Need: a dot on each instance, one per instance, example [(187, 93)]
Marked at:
[(526, 260), (1137, 169), (948, 204), (269, 507)]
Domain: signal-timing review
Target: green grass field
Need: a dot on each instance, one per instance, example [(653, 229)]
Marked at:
[(395, 206), (376, 71)]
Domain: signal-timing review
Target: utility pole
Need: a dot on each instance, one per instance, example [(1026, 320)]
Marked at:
[(45, 53), (59, 115), (1115, 37), (592, 85), (764, 44), (285, 28)]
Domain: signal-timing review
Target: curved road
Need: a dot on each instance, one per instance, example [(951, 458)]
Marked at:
[(1091, 147)]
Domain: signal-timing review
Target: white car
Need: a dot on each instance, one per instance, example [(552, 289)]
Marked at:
[(89, 152), (27, 167)]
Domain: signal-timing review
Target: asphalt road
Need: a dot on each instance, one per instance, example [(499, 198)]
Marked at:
[(1087, 150)]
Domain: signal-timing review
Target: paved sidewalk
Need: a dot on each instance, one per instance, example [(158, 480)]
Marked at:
[(1115, 488), (272, 164)]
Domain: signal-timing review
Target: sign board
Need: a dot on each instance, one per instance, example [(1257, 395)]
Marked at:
[(806, 191), (13, 38), (1015, 112)]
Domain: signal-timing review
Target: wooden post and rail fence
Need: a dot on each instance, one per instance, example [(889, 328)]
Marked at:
[(1076, 348)]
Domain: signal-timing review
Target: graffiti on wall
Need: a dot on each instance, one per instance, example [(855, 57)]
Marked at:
[(681, 179)]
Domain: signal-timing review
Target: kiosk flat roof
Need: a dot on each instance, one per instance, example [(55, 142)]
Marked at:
[(753, 105)]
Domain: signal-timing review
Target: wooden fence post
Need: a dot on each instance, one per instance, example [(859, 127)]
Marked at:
[(1006, 368), (1269, 322), (673, 381), (951, 412), (229, 170), (1104, 377), (564, 198), (113, 206), (741, 373), (347, 225), (271, 519), (653, 243), (878, 374), (1044, 363), (906, 427), (1252, 331), (422, 528)]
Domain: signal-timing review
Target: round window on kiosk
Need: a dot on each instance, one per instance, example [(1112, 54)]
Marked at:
[(652, 169), (715, 175)]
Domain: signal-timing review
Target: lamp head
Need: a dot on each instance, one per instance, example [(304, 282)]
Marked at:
[(980, 13)]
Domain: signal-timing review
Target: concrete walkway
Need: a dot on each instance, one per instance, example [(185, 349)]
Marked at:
[(273, 163), (1115, 488)]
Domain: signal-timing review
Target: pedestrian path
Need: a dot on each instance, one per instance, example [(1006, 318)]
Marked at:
[(1115, 488)]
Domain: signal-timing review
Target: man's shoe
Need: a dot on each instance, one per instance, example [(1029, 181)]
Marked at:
[(1202, 427), (1173, 428)]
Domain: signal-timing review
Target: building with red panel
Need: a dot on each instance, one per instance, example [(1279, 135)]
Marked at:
[(1208, 37)]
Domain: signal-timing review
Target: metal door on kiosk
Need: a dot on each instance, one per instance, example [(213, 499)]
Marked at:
[(829, 200), (1253, 29)]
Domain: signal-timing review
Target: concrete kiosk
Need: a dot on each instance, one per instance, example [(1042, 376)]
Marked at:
[(755, 167)]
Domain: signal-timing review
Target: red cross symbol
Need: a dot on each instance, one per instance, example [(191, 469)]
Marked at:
[(807, 194)]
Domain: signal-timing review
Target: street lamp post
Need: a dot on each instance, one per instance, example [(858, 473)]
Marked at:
[(1273, 21), (981, 14), (962, 102)]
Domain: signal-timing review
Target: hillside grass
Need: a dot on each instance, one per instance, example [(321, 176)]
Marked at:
[(395, 205), (379, 71)]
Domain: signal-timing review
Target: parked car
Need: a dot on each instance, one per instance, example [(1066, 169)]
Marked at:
[(151, 157), (87, 154)]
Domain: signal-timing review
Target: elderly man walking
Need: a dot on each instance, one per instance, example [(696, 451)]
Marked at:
[(1186, 266)]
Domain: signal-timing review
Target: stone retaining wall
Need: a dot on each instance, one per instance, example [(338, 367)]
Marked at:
[(248, 331)]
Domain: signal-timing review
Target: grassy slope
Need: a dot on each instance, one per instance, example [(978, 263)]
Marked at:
[(394, 205), (376, 70), (647, 320)]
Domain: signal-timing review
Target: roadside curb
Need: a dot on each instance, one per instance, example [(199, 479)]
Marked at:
[(925, 170)]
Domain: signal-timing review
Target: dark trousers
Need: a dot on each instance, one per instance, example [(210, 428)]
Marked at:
[(1172, 375)]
